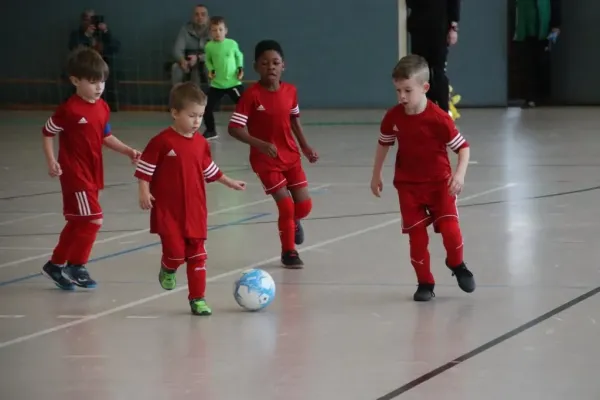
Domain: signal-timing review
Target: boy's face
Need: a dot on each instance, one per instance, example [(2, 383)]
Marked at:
[(410, 92), (188, 119), (89, 90), (269, 66), (218, 32)]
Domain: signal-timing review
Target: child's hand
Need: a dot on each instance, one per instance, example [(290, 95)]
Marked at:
[(240, 74), (377, 185), (311, 154), (456, 184), (54, 169), (211, 75), (237, 185), (135, 156), (269, 149), (146, 200)]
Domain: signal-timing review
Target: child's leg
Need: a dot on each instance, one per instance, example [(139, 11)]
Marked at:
[(445, 214), (414, 223), (275, 184), (53, 268), (235, 93), (195, 253), (84, 215), (173, 255), (214, 97), (298, 187)]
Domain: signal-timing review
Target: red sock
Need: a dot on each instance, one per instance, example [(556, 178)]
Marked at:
[(84, 236), (419, 255), (196, 274), (287, 226), (61, 251), (453, 241), (302, 208)]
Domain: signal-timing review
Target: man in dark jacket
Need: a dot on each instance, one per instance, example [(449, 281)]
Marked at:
[(433, 26)]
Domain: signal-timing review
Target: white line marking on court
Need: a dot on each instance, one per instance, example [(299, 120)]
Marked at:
[(12, 221), (12, 316), (129, 234), (473, 162), (145, 300), (142, 316), (81, 356), (25, 248), (71, 316)]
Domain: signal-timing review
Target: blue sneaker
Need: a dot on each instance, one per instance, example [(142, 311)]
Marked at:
[(54, 273), (78, 275)]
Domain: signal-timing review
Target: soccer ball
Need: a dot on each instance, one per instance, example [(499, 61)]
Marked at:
[(254, 289)]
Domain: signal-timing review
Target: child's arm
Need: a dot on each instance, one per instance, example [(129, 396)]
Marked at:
[(308, 151), (377, 179), (232, 183), (116, 145), (147, 163), (239, 61), (53, 165), (212, 173), (458, 144), (208, 60), (144, 195), (387, 138)]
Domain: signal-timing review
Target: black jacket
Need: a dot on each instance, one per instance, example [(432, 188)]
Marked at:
[(431, 15)]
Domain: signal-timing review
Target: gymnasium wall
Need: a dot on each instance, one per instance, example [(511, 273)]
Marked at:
[(339, 52)]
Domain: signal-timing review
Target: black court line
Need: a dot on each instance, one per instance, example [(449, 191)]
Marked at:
[(492, 343)]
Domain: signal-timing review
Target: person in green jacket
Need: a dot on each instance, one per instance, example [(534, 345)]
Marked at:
[(225, 65), (537, 27)]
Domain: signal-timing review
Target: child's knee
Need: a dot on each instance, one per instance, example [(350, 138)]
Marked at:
[(418, 239), (302, 208), (285, 206), (449, 229)]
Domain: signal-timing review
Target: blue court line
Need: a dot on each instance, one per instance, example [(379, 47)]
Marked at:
[(145, 246)]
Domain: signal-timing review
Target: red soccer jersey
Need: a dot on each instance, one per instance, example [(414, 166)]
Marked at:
[(82, 127), (268, 116), (177, 167), (423, 140)]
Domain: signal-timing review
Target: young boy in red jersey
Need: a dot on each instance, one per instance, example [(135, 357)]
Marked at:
[(171, 172), (427, 188), (82, 124), (269, 110)]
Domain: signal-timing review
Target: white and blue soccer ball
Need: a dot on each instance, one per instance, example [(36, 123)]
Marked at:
[(254, 289)]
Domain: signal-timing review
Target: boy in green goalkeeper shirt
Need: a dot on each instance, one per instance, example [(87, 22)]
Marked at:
[(224, 62)]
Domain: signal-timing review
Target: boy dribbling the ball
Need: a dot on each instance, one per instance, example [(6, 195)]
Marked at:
[(172, 172), (427, 187)]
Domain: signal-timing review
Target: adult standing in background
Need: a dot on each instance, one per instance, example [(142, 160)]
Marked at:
[(433, 26), (189, 48), (537, 27)]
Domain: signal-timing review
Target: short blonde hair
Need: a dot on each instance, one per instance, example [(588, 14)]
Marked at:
[(185, 93), (411, 66)]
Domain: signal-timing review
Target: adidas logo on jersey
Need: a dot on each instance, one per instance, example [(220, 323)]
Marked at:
[(395, 128), (260, 108), (171, 153), (82, 120)]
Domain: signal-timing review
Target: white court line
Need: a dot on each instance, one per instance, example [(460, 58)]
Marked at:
[(144, 300), (12, 221), (11, 316), (134, 233), (71, 316), (25, 248), (142, 317)]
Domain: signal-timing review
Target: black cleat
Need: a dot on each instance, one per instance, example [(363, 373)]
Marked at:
[(299, 234), (78, 275), (424, 292), (291, 259), (464, 277), (54, 273)]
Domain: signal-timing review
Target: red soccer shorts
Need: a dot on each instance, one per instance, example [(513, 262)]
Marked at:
[(293, 178), (82, 206), (177, 250), (425, 203)]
